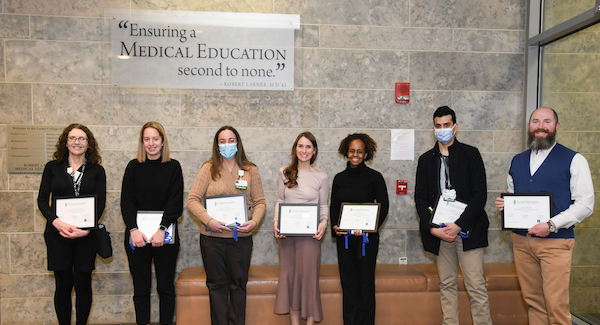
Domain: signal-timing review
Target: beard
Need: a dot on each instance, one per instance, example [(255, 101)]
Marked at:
[(541, 143)]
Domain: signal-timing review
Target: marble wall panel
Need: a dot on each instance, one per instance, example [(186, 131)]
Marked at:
[(414, 248), (328, 250), (496, 169), (268, 164), (501, 14), (362, 69), (112, 283), (508, 141), (588, 142), (117, 309), (25, 182), (16, 209), (260, 6), (466, 71), (594, 162), (297, 108), (571, 107), (348, 12), (403, 213), (493, 214), (27, 254), (4, 170), (67, 29), (392, 245), (4, 255), (586, 241), (120, 137), (3, 57), (558, 11), (482, 140), (117, 263), (49, 61), (3, 136), (499, 248), (571, 72), (488, 40), (585, 41), (190, 161), (378, 109), (14, 26), (568, 139), (307, 36), (87, 8), (584, 300), (386, 38), (488, 110), (15, 100), (104, 105), (20, 286), (265, 249), (585, 276), (592, 221), (114, 163), (17, 311), (194, 138), (189, 251)]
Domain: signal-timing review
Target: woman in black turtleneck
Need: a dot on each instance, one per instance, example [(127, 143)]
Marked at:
[(152, 182), (357, 184)]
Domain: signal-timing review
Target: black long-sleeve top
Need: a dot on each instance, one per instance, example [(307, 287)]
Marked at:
[(358, 185), (152, 186), (467, 176), (56, 182)]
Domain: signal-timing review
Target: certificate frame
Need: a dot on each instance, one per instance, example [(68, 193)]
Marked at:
[(69, 206), (528, 201), (235, 212), (150, 227), (436, 214), (349, 218), (307, 228)]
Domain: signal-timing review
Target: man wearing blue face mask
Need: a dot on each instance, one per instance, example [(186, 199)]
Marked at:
[(454, 172)]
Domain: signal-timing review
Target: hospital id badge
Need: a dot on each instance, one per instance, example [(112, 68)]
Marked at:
[(449, 195), (241, 184)]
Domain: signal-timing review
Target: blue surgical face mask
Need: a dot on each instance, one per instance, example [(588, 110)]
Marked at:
[(228, 150), (444, 134)]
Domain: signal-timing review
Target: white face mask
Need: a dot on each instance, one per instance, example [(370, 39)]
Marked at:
[(444, 135)]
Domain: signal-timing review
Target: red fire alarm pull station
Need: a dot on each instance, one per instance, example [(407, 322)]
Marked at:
[(402, 92), (401, 186)]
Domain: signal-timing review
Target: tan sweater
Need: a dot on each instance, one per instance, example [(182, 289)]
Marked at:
[(205, 186)]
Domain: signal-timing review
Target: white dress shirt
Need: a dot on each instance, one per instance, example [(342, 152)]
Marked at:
[(582, 189)]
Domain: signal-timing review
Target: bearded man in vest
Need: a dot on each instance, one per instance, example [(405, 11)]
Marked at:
[(543, 252)]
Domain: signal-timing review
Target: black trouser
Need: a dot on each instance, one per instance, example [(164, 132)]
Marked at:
[(357, 274), (65, 281), (226, 263), (140, 266)]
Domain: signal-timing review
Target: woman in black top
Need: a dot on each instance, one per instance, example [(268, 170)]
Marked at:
[(74, 171), (357, 184), (152, 182)]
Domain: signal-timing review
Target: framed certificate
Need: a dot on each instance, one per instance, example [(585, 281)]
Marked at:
[(523, 211), (447, 211), (149, 221), (297, 219), (79, 211), (361, 216), (227, 209)]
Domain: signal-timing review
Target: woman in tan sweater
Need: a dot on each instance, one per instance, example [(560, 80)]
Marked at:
[(226, 259)]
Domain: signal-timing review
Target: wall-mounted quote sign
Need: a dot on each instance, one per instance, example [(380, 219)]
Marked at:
[(30, 147), (201, 50)]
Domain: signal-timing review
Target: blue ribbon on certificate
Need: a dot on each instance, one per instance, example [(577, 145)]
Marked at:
[(365, 241), (235, 231), (346, 236)]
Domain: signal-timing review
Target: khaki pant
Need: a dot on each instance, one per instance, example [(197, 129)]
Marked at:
[(471, 265), (544, 268)]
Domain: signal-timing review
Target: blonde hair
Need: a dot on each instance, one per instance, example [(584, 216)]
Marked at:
[(164, 151)]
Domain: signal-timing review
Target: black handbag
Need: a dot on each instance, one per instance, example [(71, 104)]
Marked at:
[(104, 245)]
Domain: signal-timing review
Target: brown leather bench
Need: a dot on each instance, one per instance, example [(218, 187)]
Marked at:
[(406, 294)]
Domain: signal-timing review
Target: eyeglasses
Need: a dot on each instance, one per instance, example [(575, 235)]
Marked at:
[(81, 139)]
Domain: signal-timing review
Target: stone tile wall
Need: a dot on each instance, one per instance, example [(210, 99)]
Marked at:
[(54, 71)]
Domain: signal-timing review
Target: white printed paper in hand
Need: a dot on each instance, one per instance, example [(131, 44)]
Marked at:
[(523, 211), (298, 219), (447, 211), (148, 223), (78, 211), (227, 209), (359, 216)]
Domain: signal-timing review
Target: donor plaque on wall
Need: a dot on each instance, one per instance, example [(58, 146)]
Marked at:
[(201, 50)]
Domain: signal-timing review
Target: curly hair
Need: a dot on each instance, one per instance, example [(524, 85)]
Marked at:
[(92, 153), (291, 171), (216, 159), (164, 152), (370, 145)]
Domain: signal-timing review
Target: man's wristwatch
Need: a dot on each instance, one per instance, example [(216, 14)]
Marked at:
[(551, 227), (162, 227)]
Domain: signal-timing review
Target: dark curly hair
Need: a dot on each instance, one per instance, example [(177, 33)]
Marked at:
[(93, 152), (291, 172), (370, 145)]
